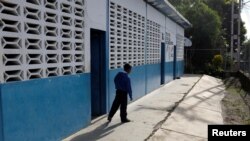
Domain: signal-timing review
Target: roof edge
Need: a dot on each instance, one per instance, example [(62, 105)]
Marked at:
[(165, 7)]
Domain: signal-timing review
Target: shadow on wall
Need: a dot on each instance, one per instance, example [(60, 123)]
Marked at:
[(98, 133)]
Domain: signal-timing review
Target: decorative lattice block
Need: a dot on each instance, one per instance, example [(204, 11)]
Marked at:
[(153, 42), (179, 47), (127, 37), (41, 38)]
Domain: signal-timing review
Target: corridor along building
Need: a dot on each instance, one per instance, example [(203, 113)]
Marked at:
[(58, 59)]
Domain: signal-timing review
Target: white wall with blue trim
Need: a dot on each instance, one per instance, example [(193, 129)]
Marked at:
[(146, 78), (51, 108)]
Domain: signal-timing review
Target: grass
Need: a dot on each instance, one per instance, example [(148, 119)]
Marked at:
[(235, 104)]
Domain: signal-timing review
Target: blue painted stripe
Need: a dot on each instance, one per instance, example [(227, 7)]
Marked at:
[(179, 68), (46, 109), (111, 94), (168, 71), (137, 81), (140, 85), (1, 115), (153, 77), (163, 56), (175, 64)]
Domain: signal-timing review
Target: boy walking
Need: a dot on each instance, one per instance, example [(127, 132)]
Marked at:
[(123, 88)]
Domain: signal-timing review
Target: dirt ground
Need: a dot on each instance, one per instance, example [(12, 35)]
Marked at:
[(236, 103)]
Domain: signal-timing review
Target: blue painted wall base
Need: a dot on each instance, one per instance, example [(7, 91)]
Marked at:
[(153, 77), (51, 109), (137, 81), (144, 79), (45, 109), (179, 68), (169, 71), (1, 115)]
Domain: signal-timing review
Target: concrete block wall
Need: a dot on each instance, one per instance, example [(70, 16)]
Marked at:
[(146, 75), (45, 61), (44, 69)]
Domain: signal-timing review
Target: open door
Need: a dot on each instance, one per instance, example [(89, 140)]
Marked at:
[(162, 63), (98, 78), (175, 63)]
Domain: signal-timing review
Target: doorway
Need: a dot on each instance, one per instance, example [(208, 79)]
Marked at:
[(162, 63), (175, 63), (98, 73)]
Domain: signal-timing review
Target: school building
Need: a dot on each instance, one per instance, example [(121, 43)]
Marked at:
[(58, 59)]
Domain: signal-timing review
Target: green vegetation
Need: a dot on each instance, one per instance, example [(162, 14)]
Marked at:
[(217, 61), (215, 68), (210, 33), (247, 44), (235, 104), (246, 52)]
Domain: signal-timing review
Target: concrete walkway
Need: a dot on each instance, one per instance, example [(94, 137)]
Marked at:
[(180, 110)]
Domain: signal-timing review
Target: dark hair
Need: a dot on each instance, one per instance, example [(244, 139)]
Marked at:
[(127, 67)]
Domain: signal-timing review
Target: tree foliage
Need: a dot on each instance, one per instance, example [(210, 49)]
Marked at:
[(217, 61), (206, 31), (246, 51), (223, 7), (211, 20)]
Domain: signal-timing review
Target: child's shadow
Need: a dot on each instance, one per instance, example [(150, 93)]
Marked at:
[(100, 132)]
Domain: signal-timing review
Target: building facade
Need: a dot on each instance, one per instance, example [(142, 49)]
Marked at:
[(58, 59)]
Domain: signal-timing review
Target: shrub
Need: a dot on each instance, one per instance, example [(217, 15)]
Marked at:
[(215, 68), (217, 61)]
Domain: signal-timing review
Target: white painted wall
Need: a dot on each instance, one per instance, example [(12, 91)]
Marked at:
[(156, 16), (44, 44), (174, 30), (179, 30), (180, 49), (96, 18), (138, 6), (171, 28), (96, 14)]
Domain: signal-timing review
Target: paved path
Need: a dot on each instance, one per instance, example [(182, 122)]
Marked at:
[(177, 111), (199, 108)]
